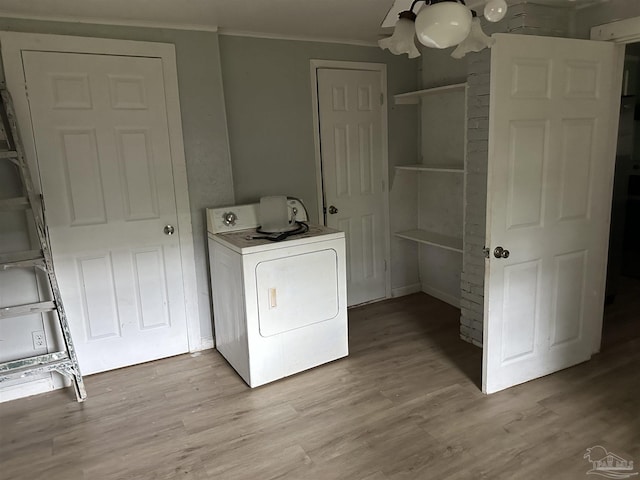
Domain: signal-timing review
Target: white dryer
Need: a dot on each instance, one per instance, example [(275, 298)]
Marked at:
[(280, 307)]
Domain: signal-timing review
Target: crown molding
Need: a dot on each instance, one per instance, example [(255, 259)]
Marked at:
[(182, 26), (114, 22), (296, 38)]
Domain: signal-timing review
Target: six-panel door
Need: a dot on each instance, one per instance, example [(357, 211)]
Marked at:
[(351, 145), (101, 133), (551, 162)]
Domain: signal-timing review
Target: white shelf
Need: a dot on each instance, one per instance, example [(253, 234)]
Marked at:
[(432, 168), (432, 238), (413, 98)]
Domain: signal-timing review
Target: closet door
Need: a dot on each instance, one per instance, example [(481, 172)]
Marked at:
[(553, 124), (100, 127), (352, 143)]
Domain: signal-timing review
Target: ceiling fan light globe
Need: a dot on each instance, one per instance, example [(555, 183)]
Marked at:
[(443, 25), (402, 40), (495, 10)]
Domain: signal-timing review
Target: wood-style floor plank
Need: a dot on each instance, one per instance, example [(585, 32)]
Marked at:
[(405, 404)]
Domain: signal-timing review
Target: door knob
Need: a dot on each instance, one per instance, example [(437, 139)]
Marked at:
[(168, 229), (333, 210), (500, 252)]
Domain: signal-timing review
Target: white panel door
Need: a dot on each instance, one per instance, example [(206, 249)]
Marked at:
[(351, 147), (101, 133), (551, 162)]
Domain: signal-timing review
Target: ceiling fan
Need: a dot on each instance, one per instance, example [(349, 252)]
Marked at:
[(442, 24)]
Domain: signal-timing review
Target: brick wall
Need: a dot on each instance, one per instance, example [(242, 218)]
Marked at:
[(523, 18), (472, 277)]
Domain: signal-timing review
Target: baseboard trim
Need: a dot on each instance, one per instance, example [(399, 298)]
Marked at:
[(406, 290), (205, 344), (27, 389), (440, 295)]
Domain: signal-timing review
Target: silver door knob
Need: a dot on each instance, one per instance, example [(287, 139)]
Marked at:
[(500, 252), (333, 210), (168, 229)]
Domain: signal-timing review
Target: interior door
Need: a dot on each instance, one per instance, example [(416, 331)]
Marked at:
[(101, 134), (553, 118), (349, 108)]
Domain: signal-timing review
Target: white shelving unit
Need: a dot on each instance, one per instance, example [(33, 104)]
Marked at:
[(432, 238), (432, 168), (426, 237), (413, 98), (438, 225)]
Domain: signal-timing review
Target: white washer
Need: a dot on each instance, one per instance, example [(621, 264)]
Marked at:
[(279, 307)]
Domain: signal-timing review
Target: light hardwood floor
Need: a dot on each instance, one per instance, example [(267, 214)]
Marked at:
[(404, 405)]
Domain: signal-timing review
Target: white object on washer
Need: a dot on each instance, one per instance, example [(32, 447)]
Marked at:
[(279, 307)]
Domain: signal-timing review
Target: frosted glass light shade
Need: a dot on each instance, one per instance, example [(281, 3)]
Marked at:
[(476, 40), (443, 25), (402, 40), (495, 10)]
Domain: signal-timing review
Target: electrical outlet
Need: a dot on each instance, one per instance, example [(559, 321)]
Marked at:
[(39, 340)]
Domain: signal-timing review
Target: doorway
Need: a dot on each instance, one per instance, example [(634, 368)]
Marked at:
[(623, 284), (623, 274), (349, 105)]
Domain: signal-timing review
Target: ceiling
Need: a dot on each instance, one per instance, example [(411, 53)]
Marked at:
[(351, 21), (400, 5)]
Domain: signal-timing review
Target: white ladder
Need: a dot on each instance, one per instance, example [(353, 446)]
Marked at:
[(64, 361)]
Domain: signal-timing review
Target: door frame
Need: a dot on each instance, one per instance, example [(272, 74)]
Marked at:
[(376, 67), (13, 44), (621, 32)]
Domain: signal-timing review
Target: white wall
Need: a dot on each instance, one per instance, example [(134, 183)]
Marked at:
[(440, 207)]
